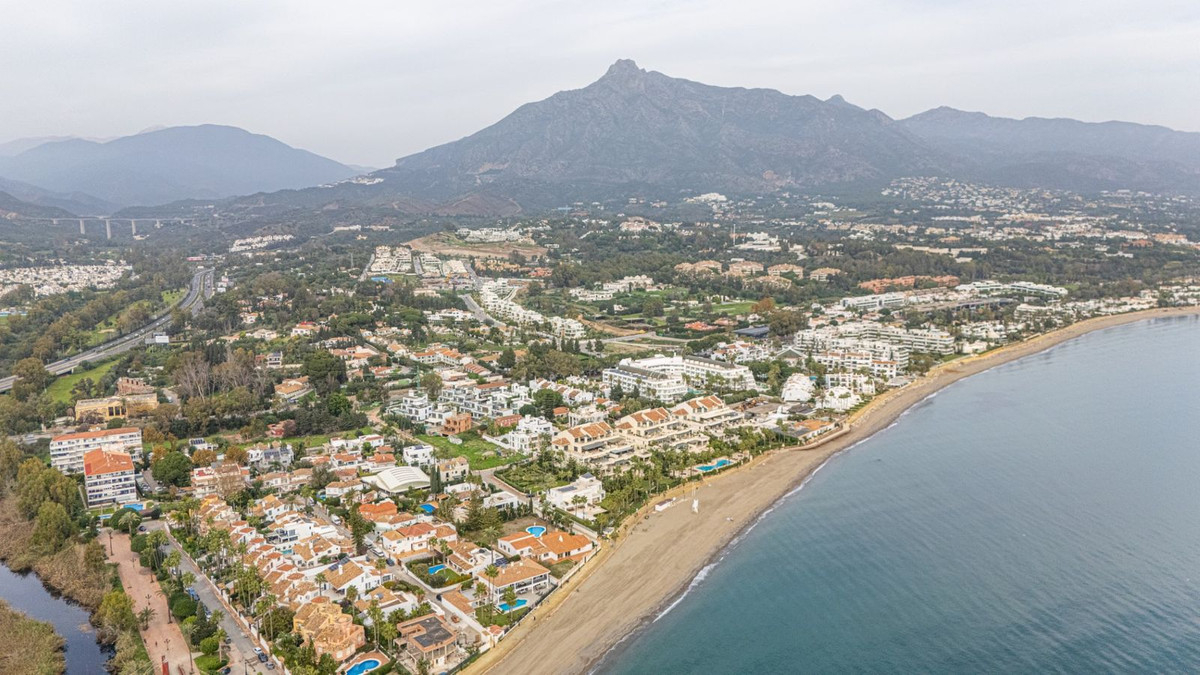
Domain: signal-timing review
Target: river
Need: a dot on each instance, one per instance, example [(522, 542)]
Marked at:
[(26, 594)]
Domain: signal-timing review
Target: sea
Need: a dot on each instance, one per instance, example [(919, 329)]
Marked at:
[(1039, 517)]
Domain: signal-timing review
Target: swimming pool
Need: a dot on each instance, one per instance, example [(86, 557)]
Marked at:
[(363, 667), (427, 508), (436, 568), (505, 607), (536, 530), (715, 465)]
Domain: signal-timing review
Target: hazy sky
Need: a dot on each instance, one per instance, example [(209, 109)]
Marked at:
[(369, 81)]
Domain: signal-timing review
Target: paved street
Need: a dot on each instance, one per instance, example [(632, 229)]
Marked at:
[(241, 649)]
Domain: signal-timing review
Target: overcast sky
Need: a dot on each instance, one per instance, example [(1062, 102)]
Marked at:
[(368, 81)]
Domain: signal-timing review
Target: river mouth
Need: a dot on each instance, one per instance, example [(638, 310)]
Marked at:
[(25, 593)]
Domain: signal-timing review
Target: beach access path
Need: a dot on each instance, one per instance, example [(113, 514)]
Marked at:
[(656, 555), (163, 639)]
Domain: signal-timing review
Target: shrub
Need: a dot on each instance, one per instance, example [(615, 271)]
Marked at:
[(183, 607), (209, 645)]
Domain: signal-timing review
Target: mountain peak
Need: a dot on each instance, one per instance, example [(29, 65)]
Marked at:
[(623, 70), (623, 67)]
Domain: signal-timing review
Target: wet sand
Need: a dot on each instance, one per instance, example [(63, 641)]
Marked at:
[(655, 556)]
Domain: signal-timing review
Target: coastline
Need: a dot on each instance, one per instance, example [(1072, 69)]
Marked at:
[(665, 552)]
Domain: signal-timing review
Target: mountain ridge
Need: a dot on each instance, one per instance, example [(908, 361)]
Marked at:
[(166, 165), (640, 132)]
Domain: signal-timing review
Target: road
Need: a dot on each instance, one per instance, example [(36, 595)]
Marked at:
[(241, 648), (200, 289), (475, 309)]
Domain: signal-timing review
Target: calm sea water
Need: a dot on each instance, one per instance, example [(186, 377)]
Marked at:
[(1043, 517)]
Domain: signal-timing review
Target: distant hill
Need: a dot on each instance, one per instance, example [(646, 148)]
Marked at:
[(156, 167), (1064, 153), (641, 132), (11, 207)]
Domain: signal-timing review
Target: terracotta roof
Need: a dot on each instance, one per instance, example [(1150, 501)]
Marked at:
[(97, 462)]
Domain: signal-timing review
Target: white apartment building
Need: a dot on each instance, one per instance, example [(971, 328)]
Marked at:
[(869, 303), (708, 414), (418, 455), (668, 387), (697, 371), (587, 487), (597, 445), (108, 477), (66, 451)]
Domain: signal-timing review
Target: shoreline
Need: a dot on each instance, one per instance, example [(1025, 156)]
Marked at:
[(667, 551)]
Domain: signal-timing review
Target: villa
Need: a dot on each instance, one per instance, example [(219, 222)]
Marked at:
[(428, 638), (322, 624), (522, 575), (585, 491)]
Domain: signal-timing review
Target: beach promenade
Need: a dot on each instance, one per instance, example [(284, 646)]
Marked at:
[(656, 555)]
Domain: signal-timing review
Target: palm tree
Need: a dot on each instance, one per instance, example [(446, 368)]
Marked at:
[(320, 579), (376, 615), (491, 573), (146, 616)]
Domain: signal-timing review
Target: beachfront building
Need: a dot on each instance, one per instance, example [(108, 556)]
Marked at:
[(658, 427), (546, 548), (428, 639), (521, 576), (581, 493), (708, 414), (798, 388), (108, 477), (67, 451), (597, 445)]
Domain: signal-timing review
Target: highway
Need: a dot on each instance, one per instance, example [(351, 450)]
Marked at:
[(200, 289)]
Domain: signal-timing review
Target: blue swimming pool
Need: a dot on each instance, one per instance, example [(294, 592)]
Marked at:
[(536, 530), (428, 508), (505, 607), (436, 568), (363, 667), (715, 465)]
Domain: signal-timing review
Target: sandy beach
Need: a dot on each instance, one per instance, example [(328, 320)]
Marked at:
[(655, 556)]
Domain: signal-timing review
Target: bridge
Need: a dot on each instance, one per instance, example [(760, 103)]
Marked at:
[(109, 223)]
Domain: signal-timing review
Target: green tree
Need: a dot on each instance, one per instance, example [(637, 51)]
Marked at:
[(432, 384), (325, 371), (507, 359), (174, 468), (32, 378), (52, 528)]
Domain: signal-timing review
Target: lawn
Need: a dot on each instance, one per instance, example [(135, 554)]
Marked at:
[(531, 478), (480, 453), (60, 389), (171, 297), (733, 307)]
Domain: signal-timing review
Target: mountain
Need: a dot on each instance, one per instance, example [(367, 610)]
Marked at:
[(633, 129), (201, 162), (641, 132), (12, 208), (19, 145), (1063, 153)]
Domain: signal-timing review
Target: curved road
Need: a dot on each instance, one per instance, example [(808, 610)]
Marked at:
[(201, 288)]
